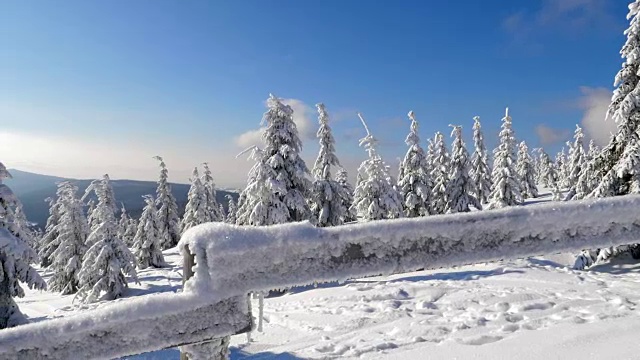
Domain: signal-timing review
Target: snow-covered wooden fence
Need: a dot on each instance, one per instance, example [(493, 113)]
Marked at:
[(231, 261)]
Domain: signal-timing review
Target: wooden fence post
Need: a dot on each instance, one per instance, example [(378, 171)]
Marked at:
[(216, 349)]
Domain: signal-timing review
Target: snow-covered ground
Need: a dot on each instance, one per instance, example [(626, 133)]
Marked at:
[(524, 309)]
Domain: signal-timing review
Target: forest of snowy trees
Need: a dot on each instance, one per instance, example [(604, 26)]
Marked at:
[(93, 249)]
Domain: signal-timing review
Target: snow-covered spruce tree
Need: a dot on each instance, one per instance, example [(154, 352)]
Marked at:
[(414, 183), (326, 198), (545, 163), (16, 257), (616, 166), (460, 186), (146, 244), (48, 243), (278, 184), (562, 168), (123, 223), (20, 219), (505, 190), (440, 166), (168, 219), (232, 209), (375, 196), (130, 233), (430, 155), (223, 214), (577, 158), (72, 230), (526, 173), (91, 205), (480, 172), (108, 259), (347, 195), (196, 211), (625, 111), (210, 195)]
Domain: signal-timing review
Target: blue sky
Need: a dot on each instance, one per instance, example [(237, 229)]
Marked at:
[(89, 87)]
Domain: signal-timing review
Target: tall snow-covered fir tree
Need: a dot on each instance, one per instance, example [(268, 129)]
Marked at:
[(460, 186), (577, 158), (91, 205), (611, 163), (326, 198), (232, 209), (480, 171), (123, 223), (108, 259), (375, 196), (278, 184), (147, 246), (588, 179), (617, 169), (440, 168), (20, 219), (561, 165), (505, 190), (48, 243), (347, 195), (167, 215), (414, 182), (526, 173), (196, 211), (210, 195), (16, 257), (72, 230)]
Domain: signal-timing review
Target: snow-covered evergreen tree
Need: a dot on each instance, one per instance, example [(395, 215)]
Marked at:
[(91, 205), (506, 188), (232, 209), (278, 184), (414, 183), (526, 173), (430, 155), (347, 195), (440, 168), (123, 223), (146, 244), (20, 219), (480, 172), (549, 176), (196, 211), (326, 198), (616, 167), (375, 196), (108, 259), (545, 163), (223, 214), (167, 216), (460, 186), (577, 158), (49, 243), (625, 111), (210, 195), (72, 230), (562, 168), (16, 257)]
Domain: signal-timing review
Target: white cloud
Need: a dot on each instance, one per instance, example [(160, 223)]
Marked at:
[(550, 136), (595, 102), (302, 116)]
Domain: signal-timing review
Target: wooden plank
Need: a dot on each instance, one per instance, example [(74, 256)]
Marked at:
[(115, 330)]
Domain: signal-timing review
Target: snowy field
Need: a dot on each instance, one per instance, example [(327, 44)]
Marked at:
[(525, 309)]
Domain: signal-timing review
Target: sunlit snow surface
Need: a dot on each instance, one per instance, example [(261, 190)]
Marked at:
[(523, 309)]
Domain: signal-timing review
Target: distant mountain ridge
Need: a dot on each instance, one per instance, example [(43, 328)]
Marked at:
[(32, 189)]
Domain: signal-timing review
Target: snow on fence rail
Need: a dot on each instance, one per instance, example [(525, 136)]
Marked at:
[(232, 261)]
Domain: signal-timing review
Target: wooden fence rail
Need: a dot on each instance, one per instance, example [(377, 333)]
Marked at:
[(231, 261)]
